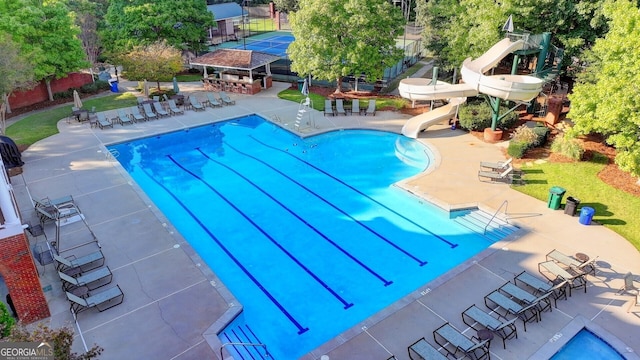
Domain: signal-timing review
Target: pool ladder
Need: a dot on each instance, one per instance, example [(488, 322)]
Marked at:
[(266, 353)]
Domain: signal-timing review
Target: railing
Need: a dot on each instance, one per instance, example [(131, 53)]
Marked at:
[(266, 353), (506, 205)]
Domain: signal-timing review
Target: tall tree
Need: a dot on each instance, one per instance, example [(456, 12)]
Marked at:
[(47, 37), (457, 29), (157, 62), (89, 15), (16, 72), (183, 24), (336, 38), (286, 6), (605, 99)]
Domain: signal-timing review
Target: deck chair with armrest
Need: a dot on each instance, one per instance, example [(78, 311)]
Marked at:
[(340, 107), (474, 317), (496, 166), (542, 302), (492, 176), (195, 104), (226, 99), (568, 261), (159, 109), (123, 117), (103, 122), (355, 107), (575, 278), (109, 298), (421, 349), (371, 108), (558, 289), (84, 263), (328, 108), (630, 287), (54, 213), (212, 100), (135, 113), (173, 108), (454, 343), (58, 202), (92, 280), (498, 301), (148, 112)]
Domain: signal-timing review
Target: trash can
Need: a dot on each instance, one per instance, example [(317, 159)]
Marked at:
[(586, 214), (555, 197), (114, 85), (571, 206), (300, 84)]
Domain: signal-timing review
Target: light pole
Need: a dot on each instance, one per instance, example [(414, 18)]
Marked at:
[(244, 33)]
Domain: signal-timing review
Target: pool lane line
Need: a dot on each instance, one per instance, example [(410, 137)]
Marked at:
[(317, 231), (380, 236), (301, 329), (274, 241), (359, 192)]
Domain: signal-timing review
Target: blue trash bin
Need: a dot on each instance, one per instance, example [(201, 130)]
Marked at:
[(114, 85), (586, 214)]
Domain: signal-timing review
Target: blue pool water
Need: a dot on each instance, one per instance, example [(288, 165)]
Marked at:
[(587, 345), (309, 234)]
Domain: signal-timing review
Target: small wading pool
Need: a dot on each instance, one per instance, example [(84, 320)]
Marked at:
[(587, 345), (584, 339)]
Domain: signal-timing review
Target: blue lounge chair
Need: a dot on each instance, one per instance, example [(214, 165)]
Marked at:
[(159, 110), (340, 107), (123, 117), (421, 349), (226, 99), (83, 263), (498, 301), (371, 109), (91, 280), (328, 107), (212, 100)]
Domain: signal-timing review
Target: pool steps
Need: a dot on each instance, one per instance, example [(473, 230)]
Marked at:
[(477, 220), (241, 342)]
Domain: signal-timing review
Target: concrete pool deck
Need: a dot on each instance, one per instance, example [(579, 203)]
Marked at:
[(172, 298)]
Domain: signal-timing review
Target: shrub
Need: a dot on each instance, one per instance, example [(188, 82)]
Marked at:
[(517, 149), (475, 117), (542, 134), (524, 134), (6, 321), (63, 94), (195, 71), (509, 120), (570, 148)]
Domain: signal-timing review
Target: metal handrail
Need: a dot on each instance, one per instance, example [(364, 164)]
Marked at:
[(244, 344), (506, 205)]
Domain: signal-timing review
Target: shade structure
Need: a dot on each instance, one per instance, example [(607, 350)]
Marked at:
[(76, 99), (176, 89)]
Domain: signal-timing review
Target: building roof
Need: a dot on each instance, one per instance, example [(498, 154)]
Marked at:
[(225, 11), (235, 59)]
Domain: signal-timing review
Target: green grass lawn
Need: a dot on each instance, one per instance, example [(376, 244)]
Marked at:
[(188, 77), (614, 208), (43, 124), (318, 100)]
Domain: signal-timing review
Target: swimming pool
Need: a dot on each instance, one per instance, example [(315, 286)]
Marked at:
[(309, 234), (587, 345)]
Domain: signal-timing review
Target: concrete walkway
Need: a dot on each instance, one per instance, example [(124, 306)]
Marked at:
[(174, 303)]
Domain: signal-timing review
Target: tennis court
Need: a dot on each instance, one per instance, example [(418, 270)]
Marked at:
[(274, 44)]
